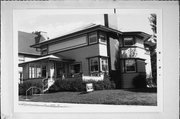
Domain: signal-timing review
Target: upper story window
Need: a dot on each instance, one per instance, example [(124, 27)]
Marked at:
[(92, 38), (102, 37), (128, 41), (130, 65)]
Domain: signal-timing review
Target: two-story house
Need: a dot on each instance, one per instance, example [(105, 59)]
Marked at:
[(92, 51)]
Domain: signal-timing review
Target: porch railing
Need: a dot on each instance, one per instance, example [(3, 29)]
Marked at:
[(32, 90)]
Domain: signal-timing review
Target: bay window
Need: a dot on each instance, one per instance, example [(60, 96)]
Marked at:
[(104, 65), (98, 64), (94, 64)]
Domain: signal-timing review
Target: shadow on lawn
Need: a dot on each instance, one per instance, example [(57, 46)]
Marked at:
[(143, 90)]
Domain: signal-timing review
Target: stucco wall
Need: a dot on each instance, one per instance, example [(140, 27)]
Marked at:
[(127, 80), (81, 55), (141, 66), (68, 44)]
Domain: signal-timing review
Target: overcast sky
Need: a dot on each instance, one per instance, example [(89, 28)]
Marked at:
[(59, 24)]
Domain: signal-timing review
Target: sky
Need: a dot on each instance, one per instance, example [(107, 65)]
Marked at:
[(59, 24)]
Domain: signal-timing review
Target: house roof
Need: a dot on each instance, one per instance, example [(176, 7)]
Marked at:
[(49, 57), (24, 41), (91, 28), (80, 31)]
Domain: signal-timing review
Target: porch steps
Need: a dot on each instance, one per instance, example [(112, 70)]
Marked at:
[(47, 83)]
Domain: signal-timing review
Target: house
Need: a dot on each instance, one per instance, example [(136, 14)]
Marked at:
[(94, 50), (25, 52)]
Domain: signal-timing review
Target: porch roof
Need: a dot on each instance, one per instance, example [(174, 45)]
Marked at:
[(49, 58)]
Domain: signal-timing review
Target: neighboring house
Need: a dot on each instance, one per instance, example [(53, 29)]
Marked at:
[(25, 52), (91, 51)]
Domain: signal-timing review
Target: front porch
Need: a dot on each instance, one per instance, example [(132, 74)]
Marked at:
[(54, 67)]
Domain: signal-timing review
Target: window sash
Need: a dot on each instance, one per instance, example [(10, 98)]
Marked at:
[(76, 68), (92, 38), (94, 64), (104, 64), (102, 38), (130, 65)]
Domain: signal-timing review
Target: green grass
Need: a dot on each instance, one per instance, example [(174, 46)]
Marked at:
[(114, 97)]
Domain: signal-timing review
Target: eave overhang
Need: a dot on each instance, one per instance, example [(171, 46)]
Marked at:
[(77, 33)]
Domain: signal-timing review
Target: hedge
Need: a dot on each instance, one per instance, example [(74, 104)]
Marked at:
[(23, 87), (76, 84)]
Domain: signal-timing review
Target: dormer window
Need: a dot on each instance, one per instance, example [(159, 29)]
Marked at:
[(128, 41), (93, 38)]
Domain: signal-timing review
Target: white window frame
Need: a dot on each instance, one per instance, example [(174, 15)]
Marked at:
[(94, 34), (30, 72), (91, 64), (101, 64), (104, 35), (135, 66), (124, 39)]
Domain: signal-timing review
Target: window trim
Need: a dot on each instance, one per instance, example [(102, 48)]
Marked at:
[(101, 69), (91, 65)]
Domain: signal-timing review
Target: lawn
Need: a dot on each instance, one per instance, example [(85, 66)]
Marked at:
[(114, 97)]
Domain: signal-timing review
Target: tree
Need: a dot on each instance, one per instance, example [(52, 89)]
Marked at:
[(152, 48), (38, 36)]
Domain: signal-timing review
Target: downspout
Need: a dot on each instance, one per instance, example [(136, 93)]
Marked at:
[(106, 23)]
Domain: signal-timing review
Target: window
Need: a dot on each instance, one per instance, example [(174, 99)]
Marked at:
[(92, 38), (102, 37), (130, 65), (44, 71), (104, 65), (76, 68), (94, 65), (128, 41), (30, 74), (38, 72), (33, 72)]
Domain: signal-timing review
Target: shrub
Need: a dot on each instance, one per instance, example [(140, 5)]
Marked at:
[(140, 81), (76, 84), (23, 87)]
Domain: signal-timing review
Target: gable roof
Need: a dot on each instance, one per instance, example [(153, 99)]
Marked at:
[(24, 41)]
